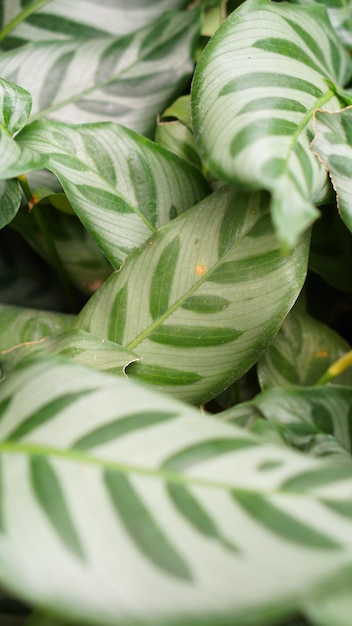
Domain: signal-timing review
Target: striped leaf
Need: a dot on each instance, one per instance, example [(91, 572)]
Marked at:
[(301, 353), (340, 15), (314, 419), (122, 186), (10, 200), (15, 108), (43, 19), (92, 79), (19, 325), (202, 298), (333, 145), (139, 499), (256, 88)]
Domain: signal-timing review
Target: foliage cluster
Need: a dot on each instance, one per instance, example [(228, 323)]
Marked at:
[(175, 289)]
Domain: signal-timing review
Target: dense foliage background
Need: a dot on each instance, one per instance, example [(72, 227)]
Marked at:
[(175, 289)]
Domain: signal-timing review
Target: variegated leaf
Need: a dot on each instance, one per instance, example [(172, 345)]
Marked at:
[(333, 144), (314, 419), (256, 88), (122, 186), (301, 353), (139, 500), (340, 14), (93, 79), (10, 200), (20, 326), (203, 297), (58, 19)]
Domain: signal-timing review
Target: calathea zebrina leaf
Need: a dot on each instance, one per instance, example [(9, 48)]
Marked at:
[(256, 87), (203, 297), (139, 499), (122, 186), (127, 79)]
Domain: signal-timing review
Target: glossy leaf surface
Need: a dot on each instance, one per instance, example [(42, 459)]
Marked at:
[(203, 297), (92, 79), (255, 90), (118, 479), (301, 353), (122, 186)]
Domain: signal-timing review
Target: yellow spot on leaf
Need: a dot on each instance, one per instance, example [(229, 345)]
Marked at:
[(200, 270)]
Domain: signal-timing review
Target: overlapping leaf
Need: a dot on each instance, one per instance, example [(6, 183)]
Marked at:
[(340, 14), (203, 297), (333, 145), (128, 80), (301, 353), (121, 185), (20, 325), (51, 19), (139, 499), (255, 91)]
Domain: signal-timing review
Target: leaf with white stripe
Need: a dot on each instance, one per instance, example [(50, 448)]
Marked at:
[(256, 88), (58, 19), (92, 79), (340, 15), (139, 499), (122, 186), (333, 144), (301, 353), (203, 297)]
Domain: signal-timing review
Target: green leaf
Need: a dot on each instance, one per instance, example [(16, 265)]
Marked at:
[(314, 419), (113, 483), (254, 94), (177, 138), (92, 79), (43, 19), (15, 106), (333, 604), (333, 144), (10, 200), (301, 353), (202, 298), (19, 325), (122, 186), (340, 15)]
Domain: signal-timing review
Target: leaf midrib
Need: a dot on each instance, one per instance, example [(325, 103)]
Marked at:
[(26, 12), (133, 344), (96, 86)]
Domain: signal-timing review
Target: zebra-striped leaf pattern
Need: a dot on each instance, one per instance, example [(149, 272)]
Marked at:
[(122, 186), (10, 200), (254, 124), (93, 79), (314, 419), (43, 20), (117, 479), (301, 353), (340, 15), (19, 325), (202, 298), (333, 145)]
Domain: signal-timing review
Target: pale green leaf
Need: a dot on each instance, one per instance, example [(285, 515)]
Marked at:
[(10, 200), (117, 479), (92, 79), (53, 19), (301, 353), (15, 106), (122, 186), (333, 605), (340, 14), (177, 138), (21, 325), (333, 144), (203, 297), (255, 90), (315, 419)]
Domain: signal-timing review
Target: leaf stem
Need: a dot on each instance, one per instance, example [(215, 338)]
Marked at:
[(37, 4), (336, 368), (50, 244)]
